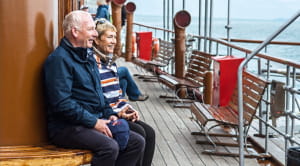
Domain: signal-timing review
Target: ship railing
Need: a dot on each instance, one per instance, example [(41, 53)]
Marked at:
[(265, 65), (240, 90), (157, 32), (289, 75)]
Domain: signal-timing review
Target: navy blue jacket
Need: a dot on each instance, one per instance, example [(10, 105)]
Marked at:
[(102, 12), (73, 89)]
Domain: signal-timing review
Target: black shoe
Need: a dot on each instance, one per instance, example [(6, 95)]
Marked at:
[(140, 98)]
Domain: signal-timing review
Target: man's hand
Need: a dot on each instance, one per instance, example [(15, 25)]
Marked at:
[(113, 118), (101, 126)]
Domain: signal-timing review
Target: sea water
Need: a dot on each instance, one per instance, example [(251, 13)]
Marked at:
[(253, 29)]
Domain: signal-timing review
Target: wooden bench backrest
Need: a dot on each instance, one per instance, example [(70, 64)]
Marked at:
[(253, 90), (166, 52), (199, 63)]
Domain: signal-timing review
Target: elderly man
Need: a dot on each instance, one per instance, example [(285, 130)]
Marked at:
[(78, 113)]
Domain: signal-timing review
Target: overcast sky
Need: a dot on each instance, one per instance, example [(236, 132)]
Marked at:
[(251, 9)]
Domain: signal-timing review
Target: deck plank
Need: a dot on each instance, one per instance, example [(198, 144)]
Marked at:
[(176, 135), (164, 130)]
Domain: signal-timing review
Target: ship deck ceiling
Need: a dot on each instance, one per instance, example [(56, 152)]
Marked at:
[(174, 143)]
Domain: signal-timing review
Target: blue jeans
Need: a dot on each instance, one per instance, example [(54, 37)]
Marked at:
[(127, 84)]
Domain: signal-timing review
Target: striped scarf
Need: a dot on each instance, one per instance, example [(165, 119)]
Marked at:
[(110, 85)]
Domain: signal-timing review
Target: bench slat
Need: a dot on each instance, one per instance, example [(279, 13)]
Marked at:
[(199, 63), (43, 155), (201, 112)]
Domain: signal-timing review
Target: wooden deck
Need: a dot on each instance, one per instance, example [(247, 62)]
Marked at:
[(175, 146)]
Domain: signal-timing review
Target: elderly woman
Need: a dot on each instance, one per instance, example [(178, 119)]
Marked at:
[(104, 46)]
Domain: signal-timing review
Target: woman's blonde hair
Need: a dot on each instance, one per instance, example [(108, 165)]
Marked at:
[(102, 25)]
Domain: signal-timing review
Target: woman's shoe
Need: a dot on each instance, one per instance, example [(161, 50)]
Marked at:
[(140, 98)]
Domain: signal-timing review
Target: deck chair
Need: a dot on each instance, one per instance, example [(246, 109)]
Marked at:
[(199, 64), (159, 63), (253, 90)]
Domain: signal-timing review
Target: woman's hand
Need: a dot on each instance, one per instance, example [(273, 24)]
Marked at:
[(129, 113)]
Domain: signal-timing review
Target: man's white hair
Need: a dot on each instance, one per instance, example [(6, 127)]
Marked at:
[(74, 20)]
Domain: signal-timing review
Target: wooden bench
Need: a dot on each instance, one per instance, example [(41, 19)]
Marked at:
[(253, 90), (158, 63), (43, 155), (198, 65)]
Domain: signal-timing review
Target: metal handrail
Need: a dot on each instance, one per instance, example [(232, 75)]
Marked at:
[(247, 51), (239, 82), (260, 41), (155, 28)]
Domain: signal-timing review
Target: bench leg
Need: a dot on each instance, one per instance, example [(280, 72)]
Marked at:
[(165, 89), (182, 102), (255, 155), (207, 136), (214, 151), (150, 79), (142, 70), (223, 144), (166, 96), (215, 134)]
